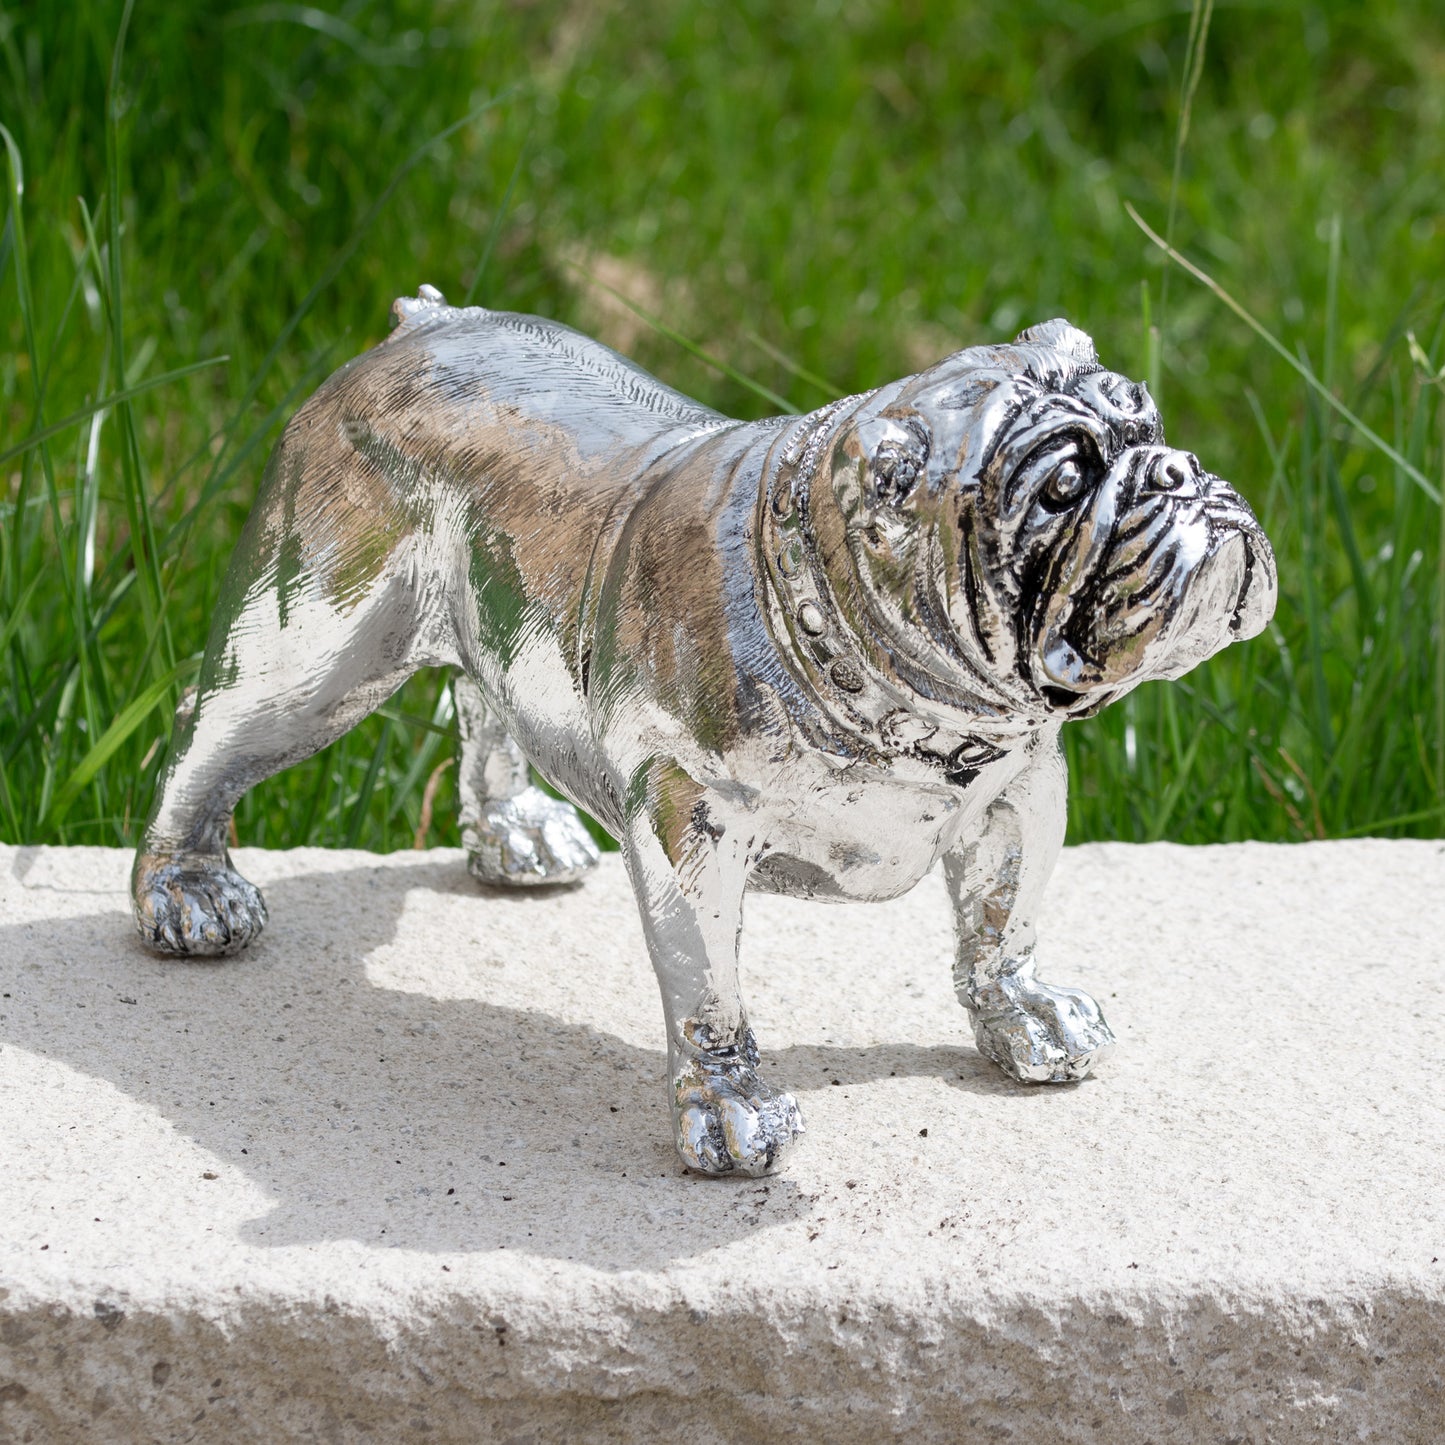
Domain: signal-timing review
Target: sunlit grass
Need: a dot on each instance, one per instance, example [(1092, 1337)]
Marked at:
[(218, 206)]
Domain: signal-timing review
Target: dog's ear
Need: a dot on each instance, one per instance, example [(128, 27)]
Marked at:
[(894, 452), (1062, 336)]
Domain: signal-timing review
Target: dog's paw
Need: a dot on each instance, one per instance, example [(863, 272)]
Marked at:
[(1038, 1033), (195, 909), (530, 838), (729, 1121)]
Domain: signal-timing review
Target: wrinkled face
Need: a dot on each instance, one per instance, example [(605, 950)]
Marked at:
[(1018, 508)]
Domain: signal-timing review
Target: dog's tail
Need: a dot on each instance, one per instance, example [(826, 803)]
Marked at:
[(408, 309)]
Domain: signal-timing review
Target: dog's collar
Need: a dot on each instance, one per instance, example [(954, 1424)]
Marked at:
[(860, 700)]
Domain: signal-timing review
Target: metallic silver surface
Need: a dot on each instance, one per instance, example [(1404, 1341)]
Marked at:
[(814, 655)]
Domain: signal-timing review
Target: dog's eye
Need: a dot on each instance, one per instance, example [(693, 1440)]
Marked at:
[(1066, 484), (1059, 473)]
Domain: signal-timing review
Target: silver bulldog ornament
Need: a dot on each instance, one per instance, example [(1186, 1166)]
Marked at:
[(814, 655)]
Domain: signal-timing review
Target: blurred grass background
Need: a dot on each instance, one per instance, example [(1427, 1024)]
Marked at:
[(221, 200)]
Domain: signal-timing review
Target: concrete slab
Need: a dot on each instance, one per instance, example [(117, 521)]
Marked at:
[(403, 1171)]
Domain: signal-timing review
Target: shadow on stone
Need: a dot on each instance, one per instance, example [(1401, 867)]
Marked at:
[(397, 1118)]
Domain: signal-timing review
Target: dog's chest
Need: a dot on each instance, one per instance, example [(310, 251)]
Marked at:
[(859, 833)]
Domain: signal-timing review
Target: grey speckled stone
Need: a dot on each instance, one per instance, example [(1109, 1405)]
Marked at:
[(403, 1171)]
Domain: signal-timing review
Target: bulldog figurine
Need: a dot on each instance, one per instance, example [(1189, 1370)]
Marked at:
[(815, 655)]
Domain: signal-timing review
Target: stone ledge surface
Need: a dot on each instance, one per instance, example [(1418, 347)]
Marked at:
[(403, 1171)]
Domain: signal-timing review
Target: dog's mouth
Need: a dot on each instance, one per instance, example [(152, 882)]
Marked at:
[(1075, 705), (1062, 699), (1206, 579)]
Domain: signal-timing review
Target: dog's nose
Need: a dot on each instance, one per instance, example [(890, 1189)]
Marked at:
[(1173, 471)]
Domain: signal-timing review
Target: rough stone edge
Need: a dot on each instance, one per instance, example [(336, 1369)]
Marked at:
[(1202, 1368)]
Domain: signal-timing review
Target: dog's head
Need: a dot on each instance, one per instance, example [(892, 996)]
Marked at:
[(1014, 513)]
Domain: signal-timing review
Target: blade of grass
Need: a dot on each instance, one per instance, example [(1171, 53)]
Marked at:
[(319, 787), (1332, 300), (1275, 345), (137, 504), (1182, 775), (788, 364), (368, 786), (342, 749), (1313, 580), (333, 27), (52, 753), (1400, 821), (17, 612), (104, 404), (13, 829), (122, 726), (7, 245), (1440, 627), (411, 720), (68, 568), (217, 481), (1199, 17), (345, 252), (1345, 524), (428, 803), (474, 290), (1152, 344), (26, 300), (1433, 383), (1397, 331), (691, 347), (421, 763), (41, 704)]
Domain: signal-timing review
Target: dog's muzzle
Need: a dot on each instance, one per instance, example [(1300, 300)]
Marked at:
[(1168, 566)]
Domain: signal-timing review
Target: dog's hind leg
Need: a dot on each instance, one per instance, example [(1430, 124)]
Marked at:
[(292, 663), (513, 832)]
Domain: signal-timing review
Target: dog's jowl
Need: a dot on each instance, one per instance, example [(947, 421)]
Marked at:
[(815, 655)]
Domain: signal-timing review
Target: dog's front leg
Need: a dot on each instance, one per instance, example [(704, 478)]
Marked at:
[(1034, 1031), (688, 863)]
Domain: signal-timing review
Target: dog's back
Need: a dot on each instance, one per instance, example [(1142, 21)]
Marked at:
[(506, 448), (500, 422)]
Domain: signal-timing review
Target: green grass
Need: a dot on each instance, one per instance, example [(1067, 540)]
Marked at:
[(220, 203)]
